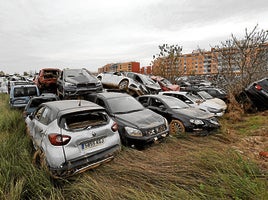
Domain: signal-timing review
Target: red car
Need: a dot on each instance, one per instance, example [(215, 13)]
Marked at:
[(46, 80), (165, 84)]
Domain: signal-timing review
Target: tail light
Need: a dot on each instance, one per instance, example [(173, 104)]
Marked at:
[(114, 127), (258, 87), (58, 139)]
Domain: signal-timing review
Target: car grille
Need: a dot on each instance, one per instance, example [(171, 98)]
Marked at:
[(156, 130), (91, 85)]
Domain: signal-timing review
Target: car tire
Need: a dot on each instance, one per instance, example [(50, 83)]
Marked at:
[(177, 128), (123, 85)]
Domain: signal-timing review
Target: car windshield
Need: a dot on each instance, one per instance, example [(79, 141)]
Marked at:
[(25, 91), (83, 120), (204, 95), (175, 103), (124, 105), (147, 80), (77, 72), (193, 97), (36, 102), (165, 82), (51, 73)]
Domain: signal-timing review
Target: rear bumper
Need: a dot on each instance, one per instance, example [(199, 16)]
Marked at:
[(85, 162)]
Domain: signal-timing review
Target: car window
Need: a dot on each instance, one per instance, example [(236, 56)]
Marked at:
[(124, 105), (44, 118), (156, 103), (38, 113), (100, 102), (83, 120), (144, 101)]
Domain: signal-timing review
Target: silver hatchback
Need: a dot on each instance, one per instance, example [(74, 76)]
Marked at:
[(71, 136)]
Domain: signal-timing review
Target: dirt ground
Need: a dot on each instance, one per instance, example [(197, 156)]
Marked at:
[(254, 147)]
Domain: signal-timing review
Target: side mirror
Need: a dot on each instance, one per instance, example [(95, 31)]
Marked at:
[(31, 117)]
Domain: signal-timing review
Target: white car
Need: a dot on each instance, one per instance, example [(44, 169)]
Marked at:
[(134, 83), (207, 97), (71, 136), (195, 101)]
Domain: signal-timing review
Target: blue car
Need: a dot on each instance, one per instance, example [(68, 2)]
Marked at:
[(21, 94)]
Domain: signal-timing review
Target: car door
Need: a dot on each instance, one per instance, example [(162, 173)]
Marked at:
[(40, 122), (159, 107)]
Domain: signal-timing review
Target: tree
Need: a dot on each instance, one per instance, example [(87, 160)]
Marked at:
[(241, 62), (167, 62)]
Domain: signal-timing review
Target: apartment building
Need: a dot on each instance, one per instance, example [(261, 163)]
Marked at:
[(126, 66)]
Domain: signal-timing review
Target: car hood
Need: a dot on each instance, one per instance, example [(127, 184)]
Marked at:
[(212, 104), (173, 87), (220, 102), (194, 113), (80, 79), (141, 119)]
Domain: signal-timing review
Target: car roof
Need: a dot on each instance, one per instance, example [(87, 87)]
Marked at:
[(112, 95), (175, 92), (68, 106), (28, 85)]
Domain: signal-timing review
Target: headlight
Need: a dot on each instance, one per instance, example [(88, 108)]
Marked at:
[(196, 121), (214, 110), (69, 84), (133, 131)]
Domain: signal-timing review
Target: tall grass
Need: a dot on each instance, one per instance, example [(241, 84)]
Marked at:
[(177, 168)]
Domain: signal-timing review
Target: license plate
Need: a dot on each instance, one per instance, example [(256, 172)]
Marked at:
[(92, 143)]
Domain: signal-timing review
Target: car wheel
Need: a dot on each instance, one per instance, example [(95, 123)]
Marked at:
[(177, 128), (123, 85)]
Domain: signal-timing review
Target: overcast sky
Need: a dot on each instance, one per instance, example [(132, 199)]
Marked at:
[(83, 33)]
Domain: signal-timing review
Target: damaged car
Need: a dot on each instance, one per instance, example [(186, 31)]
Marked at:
[(71, 136), (181, 117), (165, 84), (73, 83), (195, 101), (137, 125), (257, 92), (134, 84)]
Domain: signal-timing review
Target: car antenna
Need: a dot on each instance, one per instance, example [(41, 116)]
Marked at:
[(79, 104)]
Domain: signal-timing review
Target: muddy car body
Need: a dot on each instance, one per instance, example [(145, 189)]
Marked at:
[(71, 136), (138, 126), (181, 117), (73, 83)]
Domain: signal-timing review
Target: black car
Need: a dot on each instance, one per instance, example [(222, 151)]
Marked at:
[(138, 126), (257, 92), (74, 83), (181, 117), (34, 102)]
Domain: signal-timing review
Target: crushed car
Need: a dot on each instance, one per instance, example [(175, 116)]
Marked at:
[(138, 126), (165, 84), (72, 136), (46, 80), (181, 117)]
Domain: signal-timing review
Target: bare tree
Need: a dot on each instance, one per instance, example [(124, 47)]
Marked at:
[(242, 61), (167, 62)]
